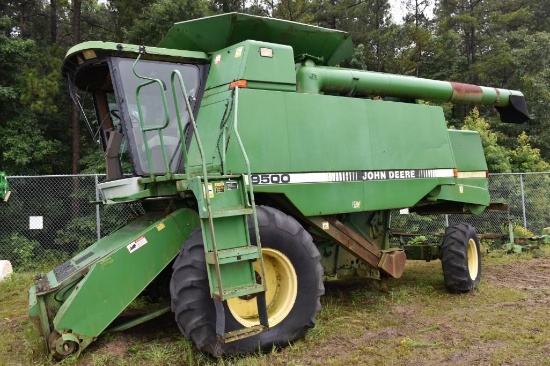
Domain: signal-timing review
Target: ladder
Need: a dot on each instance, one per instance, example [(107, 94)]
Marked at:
[(224, 205), (230, 256)]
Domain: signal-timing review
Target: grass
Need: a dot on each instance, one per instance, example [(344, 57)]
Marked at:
[(411, 320)]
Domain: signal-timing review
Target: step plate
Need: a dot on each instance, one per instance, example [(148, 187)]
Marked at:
[(241, 333)]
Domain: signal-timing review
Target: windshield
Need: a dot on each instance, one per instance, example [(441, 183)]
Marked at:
[(153, 111)]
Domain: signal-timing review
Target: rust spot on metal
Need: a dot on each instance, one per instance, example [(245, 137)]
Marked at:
[(497, 90), (466, 93), (393, 263)]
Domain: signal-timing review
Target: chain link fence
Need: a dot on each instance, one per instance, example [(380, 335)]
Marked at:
[(528, 197), (50, 218)]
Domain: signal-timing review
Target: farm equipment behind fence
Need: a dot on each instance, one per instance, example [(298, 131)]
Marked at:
[(4, 188), (263, 170)]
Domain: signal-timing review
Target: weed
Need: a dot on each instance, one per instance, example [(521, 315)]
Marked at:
[(408, 342)]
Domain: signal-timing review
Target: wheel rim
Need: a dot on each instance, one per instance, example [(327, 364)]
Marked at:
[(282, 289), (473, 262)]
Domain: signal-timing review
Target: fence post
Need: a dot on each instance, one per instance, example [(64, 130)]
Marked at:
[(97, 216), (523, 201)]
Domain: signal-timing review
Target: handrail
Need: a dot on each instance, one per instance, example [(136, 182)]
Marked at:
[(159, 129), (252, 202), (177, 73), (204, 169)]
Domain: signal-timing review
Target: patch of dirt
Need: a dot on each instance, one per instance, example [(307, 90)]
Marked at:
[(422, 334), (120, 343), (433, 328), (11, 322), (529, 275)]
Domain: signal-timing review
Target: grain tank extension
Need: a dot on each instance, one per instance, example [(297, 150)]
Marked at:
[(263, 171)]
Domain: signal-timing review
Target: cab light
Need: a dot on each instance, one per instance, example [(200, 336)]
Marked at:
[(238, 83)]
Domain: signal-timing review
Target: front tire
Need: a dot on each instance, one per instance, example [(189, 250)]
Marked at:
[(461, 258), (293, 276)]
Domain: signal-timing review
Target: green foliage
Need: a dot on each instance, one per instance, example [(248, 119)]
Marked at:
[(521, 232), (498, 160), (43, 82), (77, 234), (156, 19), (417, 240), (26, 149), (358, 60), (20, 251), (526, 158), (295, 10), (29, 96), (505, 44), (532, 75)]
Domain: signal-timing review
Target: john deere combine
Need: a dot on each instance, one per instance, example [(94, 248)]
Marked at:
[(241, 131)]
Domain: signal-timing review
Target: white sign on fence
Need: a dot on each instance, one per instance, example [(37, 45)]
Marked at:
[(36, 222)]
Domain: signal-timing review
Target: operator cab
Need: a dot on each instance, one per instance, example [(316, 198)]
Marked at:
[(135, 103)]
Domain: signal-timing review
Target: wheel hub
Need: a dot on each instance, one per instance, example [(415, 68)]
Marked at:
[(473, 260), (282, 288)]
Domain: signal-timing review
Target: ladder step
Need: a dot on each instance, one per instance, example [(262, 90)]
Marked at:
[(233, 255), (231, 212), (236, 291), (241, 333)]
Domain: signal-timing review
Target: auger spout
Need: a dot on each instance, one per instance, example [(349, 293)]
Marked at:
[(311, 79)]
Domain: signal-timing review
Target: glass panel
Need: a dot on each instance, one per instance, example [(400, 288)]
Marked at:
[(123, 154), (153, 112)]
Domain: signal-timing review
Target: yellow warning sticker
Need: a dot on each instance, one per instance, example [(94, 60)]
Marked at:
[(217, 59), (160, 226), (356, 204), (220, 187), (210, 191), (239, 51), (325, 225), (461, 188)]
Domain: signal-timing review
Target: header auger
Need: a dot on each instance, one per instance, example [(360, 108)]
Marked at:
[(238, 128)]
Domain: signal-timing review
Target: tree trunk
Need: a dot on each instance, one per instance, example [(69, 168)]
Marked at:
[(75, 120), (53, 21)]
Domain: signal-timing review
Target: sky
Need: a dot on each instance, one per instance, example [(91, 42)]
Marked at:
[(398, 9)]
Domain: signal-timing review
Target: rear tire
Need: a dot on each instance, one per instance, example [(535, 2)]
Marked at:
[(461, 258), (291, 254)]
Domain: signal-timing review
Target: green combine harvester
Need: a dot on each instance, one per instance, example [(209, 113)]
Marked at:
[(240, 131), (4, 188)]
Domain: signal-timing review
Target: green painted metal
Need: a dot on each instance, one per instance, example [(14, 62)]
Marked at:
[(4, 188), (215, 33), (84, 295), (253, 61), (313, 79), (321, 133), (229, 253), (467, 151), (313, 138), (92, 50)]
